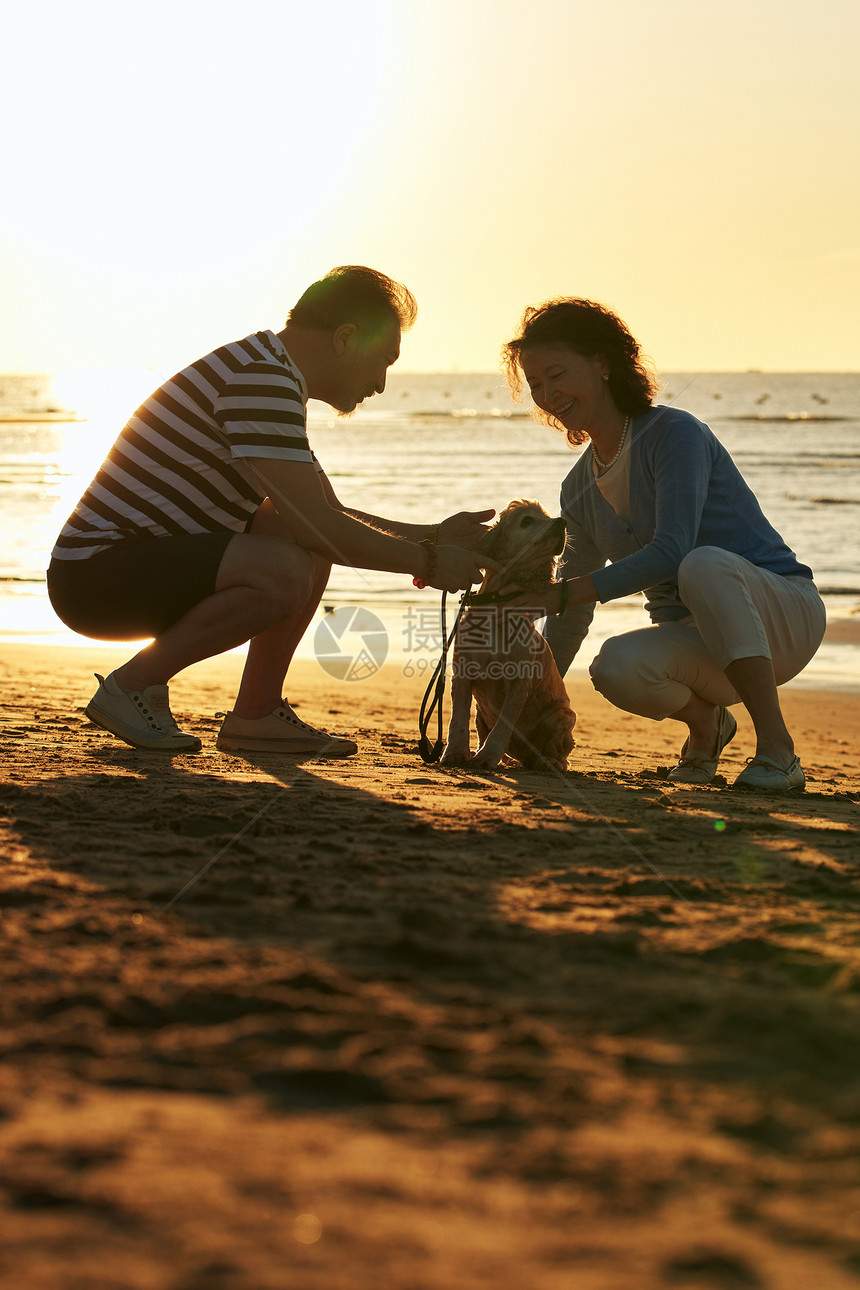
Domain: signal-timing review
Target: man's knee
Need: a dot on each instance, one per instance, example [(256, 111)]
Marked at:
[(282, 574), (288, 588)]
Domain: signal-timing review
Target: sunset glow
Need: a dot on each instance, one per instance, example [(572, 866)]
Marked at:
[(176, 175)]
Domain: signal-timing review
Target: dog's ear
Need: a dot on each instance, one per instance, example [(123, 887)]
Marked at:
[(488, 543), (492, 543)]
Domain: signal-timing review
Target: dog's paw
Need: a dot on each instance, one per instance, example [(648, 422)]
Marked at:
[(454, 756), (484, 761)]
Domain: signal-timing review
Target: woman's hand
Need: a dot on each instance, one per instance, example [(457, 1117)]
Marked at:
[(580, 591), (536, 603)]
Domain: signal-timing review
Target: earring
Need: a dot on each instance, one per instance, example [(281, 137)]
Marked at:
[(605, 376)]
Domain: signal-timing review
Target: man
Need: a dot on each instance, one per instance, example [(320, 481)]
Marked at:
[(210, 522)]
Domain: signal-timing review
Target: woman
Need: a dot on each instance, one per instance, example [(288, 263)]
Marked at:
[(734, 612)]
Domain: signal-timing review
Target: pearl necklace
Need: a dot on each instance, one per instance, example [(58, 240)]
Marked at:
[(603, 466)]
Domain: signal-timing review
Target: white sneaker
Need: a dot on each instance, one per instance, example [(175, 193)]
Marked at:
[(280, 732), (762, 773), (702, 770), (141, 718)]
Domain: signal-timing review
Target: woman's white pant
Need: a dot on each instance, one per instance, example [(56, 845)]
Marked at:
[(736, 611)]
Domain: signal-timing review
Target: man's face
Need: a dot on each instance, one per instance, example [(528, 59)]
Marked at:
[(363, 367)]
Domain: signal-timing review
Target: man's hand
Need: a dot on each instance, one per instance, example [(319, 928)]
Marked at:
[(457, 570), (465, 529)]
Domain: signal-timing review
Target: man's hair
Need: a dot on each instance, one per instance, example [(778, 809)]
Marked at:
[(354, 294)]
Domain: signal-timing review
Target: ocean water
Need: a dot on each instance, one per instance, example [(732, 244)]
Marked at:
[(435, 444)]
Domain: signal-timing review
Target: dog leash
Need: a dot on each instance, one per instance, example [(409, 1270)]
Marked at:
[(431, 753)]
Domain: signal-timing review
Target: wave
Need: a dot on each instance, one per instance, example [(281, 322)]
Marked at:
[(514, 414), (49, 417), (755, 457), (453, 414), (403, 598), (825, 501), (759, 417)]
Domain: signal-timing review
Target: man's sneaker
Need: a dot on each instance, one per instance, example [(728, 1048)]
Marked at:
[(762, 773), (280, 732), (142, 718)]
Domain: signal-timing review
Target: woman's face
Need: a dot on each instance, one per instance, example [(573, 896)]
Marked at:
[(567, 385)]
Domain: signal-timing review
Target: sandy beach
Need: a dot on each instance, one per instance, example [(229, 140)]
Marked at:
[(273, 1024)]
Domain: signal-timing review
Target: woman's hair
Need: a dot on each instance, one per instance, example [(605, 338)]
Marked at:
[(354, 294), (589, 329)]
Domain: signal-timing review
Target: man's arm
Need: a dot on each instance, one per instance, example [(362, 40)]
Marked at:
[(465, 529), (396, 528), (303, 501)]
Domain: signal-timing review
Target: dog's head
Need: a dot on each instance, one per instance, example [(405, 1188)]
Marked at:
[(526, 541)]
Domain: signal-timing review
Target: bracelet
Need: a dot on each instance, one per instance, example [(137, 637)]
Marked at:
[(564, 593), (433, 533), (421, 580)]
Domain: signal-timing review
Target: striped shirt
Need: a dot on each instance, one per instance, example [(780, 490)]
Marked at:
[(184, 463)]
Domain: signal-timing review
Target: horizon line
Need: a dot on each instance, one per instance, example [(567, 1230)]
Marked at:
[(457, 371)]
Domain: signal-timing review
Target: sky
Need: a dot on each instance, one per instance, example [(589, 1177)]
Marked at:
[(175, 174)]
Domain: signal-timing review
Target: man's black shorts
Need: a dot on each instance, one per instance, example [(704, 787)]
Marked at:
[(138, 587)]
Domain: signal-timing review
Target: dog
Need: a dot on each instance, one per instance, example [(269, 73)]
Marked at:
[(523, 712)]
